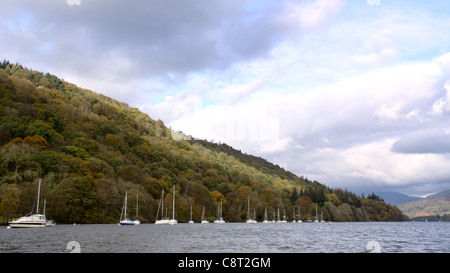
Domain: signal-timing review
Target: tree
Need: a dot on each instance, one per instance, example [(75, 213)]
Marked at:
[(9, 200), (74, 201), (333, 199)]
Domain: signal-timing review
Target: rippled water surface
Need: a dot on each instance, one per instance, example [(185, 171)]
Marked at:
[(423, 237)]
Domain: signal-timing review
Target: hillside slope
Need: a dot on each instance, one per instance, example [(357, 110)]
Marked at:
[(437, 204), (90, 149)]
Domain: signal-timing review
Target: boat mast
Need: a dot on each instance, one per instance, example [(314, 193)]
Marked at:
[(162, 204), (248, 208), (316, 213), (39, 193), (173, 209), (126, 195), (137, 205)]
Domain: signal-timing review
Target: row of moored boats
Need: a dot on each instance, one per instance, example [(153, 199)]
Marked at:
[(33, 220)]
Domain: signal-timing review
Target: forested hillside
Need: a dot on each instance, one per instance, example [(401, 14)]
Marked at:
[(89, 149)]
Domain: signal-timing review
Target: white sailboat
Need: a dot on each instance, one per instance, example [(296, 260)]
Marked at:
[(204, 220), (164, 219), (284, 216), (299, 220), (173, 221), (191, 221), (32, 220), (126, 221), (266, 221), (278, 213), (321, 218), (219, 219), (249, 220), (293, 216), (316, 221)]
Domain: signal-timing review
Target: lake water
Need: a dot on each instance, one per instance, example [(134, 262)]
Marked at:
[(385, 237)]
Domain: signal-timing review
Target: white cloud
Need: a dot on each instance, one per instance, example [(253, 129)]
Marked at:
[(309, 14)]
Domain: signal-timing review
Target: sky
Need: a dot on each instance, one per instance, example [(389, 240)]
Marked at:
[(354, 94)]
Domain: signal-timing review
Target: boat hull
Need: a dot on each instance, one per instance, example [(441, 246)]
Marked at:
[(27, 225), (162, 222)]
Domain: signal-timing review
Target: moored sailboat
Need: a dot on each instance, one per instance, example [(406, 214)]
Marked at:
[(126, 221), (204, 220), (164, 219), (266, 221), (32, 220), (191, 221), (173, 221), (249, 220)]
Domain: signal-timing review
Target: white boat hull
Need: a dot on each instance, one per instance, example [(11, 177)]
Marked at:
[(27, 225)]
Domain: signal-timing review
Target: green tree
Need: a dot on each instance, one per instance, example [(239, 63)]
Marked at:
[(75, 201)]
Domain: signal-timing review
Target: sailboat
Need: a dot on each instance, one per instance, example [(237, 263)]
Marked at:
[(316, 221), (284, 216), (265, 217), (204, 220), (137, 221), (293, 216), (173, 221), (321, 218), (249, 220), (32, 220), (278, 212), (299, 220), (219, 219), (191, 221), (164, 219), (126, 221)]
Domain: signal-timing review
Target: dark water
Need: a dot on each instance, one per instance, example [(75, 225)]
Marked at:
[(410, 237)]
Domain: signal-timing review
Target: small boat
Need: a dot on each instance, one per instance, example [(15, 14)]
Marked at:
[(284, 217), (191, 221), (219, 219), (299, 220), (127, 221), (173, 221), (204, 220), (278, 213), (265, 217), (316, 221), (250, 220), (164, 219), (32, 220)]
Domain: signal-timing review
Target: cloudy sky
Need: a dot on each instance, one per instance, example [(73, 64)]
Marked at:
[(354, 94)]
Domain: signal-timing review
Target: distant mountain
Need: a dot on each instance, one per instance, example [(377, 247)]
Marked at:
[(396, 198), (436, 204), (444, 195)]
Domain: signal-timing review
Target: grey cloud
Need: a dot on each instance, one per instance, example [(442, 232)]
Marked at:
[(159, 37), (421, 142)]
